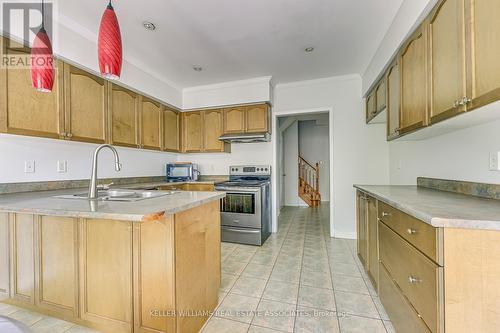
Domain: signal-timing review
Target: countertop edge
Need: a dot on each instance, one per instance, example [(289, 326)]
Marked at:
[(435, 221), (153, 216)]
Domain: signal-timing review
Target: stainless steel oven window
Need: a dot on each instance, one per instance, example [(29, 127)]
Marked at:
[(238, 203)]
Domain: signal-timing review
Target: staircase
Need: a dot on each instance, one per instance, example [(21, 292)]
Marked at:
[(309, 183)]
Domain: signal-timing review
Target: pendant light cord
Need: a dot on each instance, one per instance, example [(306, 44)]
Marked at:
[(43, 16)]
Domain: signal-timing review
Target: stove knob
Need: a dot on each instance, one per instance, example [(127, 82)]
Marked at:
[(266, 169)]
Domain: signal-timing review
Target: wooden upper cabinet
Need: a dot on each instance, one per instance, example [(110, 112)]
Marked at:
[(371, 106), (171, 130), (86, 105), (257, 118), (192, 140), (393, 100), (447, 59), (413, 67), (483, 58), (380, 93), (123, 114), (234, 120), (212, 130), (23, 110), (151, 123)]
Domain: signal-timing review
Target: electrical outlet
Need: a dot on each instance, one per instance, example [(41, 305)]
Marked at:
[(62, 166), (29, 166), (494, 157)]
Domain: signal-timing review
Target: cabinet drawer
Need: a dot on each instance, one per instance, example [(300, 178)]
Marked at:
[(403, 316), (418, 277), (421, 235)]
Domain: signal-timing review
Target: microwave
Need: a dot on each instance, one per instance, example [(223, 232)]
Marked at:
[(179, 172)]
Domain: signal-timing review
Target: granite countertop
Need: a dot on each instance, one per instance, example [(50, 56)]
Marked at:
[(44, 203), (439, 208)]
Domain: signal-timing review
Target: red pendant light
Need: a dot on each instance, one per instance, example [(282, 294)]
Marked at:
[(110, 45), (42, 61)]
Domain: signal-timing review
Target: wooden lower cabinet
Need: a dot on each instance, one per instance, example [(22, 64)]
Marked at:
[(22, 258), (373, 254), (57, 269), (116, 276), (4, 256), (362, 228), (106, 274), (197, 265), (419, 278), (403, 316), (188, 187), (367, 240), (432, 280)]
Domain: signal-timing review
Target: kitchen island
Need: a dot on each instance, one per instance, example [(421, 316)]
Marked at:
[(146, 266)]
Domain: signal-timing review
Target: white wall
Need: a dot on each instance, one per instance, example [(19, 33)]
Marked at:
[(461, 155), (314, 147), (227, 93), (359, 152), (15, 150), (241, 154), (290, 168), (409, 15), (80, 48)]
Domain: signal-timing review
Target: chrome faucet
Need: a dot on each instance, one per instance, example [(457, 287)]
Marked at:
[(93, 176)]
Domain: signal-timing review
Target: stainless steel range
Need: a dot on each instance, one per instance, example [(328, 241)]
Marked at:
[(246, 209)]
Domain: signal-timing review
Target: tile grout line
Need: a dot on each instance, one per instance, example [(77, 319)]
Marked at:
[(274, 264)]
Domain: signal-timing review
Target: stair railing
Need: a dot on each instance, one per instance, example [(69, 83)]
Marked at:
[(309, 180)]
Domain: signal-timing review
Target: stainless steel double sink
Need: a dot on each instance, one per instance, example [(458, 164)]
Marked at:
[(119, 195)]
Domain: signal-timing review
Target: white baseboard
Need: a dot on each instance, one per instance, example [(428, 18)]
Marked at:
[(344, 235)]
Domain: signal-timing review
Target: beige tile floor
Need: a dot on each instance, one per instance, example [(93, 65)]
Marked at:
[(301, 280)]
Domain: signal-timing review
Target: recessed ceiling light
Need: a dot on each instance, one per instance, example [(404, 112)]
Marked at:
[(197, 68), (148, 25), (309, 49)]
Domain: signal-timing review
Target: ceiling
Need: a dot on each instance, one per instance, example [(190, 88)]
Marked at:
[(241, 39)]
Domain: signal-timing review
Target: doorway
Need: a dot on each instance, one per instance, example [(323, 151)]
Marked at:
[(302, 135)]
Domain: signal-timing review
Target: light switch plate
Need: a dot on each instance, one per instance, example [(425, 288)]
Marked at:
[(494, 157), (29, 166), (62, 166)]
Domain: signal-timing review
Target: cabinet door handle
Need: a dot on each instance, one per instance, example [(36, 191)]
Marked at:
[(411, 231), (69, 135), (63, 134), (414, 280), (466, 100), (385, 214), (456, 104)]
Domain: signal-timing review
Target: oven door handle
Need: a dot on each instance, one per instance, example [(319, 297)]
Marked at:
[(242, 230), (237, 189)]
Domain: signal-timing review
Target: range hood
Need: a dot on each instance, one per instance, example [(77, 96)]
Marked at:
[(246, 137)]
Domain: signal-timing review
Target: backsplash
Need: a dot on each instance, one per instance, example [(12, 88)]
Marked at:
[(82, 183), (482, 190)]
